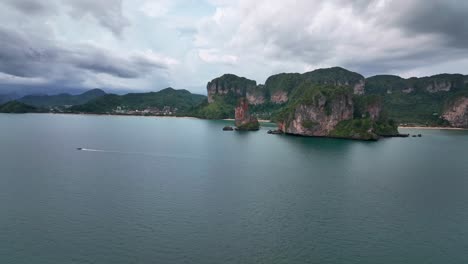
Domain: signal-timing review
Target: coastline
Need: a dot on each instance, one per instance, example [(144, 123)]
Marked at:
[(433, 128), (226, 119), (259, 120)]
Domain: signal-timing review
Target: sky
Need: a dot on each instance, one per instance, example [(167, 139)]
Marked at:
[(143, 45)]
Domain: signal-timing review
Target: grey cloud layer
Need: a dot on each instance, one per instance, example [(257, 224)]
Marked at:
[(30, 7), (40, 40), (375, 36), (108, 13), (34, 52), (32, 56), (447, 18)]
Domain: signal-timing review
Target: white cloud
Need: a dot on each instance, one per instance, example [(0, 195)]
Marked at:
[(365, 36), (147, 44), (156, 8), (214, 56)]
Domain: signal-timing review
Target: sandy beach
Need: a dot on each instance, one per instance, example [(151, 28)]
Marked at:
[(259, 120), (433, 128)]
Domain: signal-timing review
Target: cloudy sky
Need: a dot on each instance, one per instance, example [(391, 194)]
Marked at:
[(123, 45)]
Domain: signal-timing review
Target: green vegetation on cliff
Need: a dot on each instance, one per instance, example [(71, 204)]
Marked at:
[(365, 128), (380, 84), (311, 94), (251, 126), (282, 82), (355, 128), (219, 109), (334, 75), (417, 100), (236, 84)]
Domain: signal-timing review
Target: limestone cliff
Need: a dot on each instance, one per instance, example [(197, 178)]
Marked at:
[(244, 120), (457, 113), (337, 76), (334, 111), (319, 119), (256, 95), (369, 106), (229, 85), (441, 83), (279, 97), (279, 86), (407, 100), (439, 86)]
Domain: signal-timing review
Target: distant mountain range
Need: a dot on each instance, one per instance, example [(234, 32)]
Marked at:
[(18, 108), (63, 99), (166, 101)]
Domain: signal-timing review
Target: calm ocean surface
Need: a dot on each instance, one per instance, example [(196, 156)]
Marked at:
[(179, 190)]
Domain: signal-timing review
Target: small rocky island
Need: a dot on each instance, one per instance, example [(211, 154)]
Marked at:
[(244, 120)]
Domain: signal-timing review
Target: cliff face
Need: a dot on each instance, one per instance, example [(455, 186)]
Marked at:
[(413, 100), (229, 85), (337, 76), (359, 88), (244, 120), (457, 113), (256, 96), (279, 97), (420, 101), (439, 86), (334, 111), (381, 84), (320, 117), (279, 88)]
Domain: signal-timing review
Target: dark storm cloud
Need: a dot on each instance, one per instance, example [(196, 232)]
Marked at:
[(31, 7), (108, 13), (447, 18), (32, 56)]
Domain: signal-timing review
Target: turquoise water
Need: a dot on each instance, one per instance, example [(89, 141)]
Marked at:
[(177, 190)]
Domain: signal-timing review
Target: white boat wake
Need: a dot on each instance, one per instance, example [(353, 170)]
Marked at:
[(141, 153)]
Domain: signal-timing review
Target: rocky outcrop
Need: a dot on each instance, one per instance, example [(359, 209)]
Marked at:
[(229, 85), (337, 76), (374, 109), (359, 88), (279, 97), (334, 111), (255, 99), (314, 121), (245, 121), (256, 96), (399, 95), (439, 86), (319, 115), (457, 113), (408, 90)]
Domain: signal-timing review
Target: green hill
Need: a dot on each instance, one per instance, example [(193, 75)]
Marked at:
[(174, 101), (61, 99), (18, 108)]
